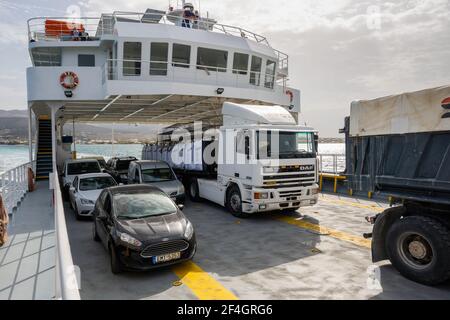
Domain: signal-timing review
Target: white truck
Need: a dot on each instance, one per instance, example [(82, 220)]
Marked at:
[(262, 161)]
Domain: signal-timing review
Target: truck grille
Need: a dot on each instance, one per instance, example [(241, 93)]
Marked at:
[(289, 181), (164, 248)]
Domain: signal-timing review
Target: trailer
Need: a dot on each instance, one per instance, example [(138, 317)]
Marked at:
[(260, 160), (399, 147)]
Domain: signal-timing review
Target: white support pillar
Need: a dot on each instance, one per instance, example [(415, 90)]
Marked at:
[(54, 145)]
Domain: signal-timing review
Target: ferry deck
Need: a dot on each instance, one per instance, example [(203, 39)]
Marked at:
[(315, 253)]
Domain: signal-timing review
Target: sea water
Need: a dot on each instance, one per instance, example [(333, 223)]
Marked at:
[(12, 156)]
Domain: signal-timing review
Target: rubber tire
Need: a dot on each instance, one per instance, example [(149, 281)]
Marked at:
[(77, 216), (238, 214), (95, 235), (439, 237), (116, 265), (193, 183)]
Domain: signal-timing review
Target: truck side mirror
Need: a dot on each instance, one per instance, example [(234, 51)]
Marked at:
[(316, 142)]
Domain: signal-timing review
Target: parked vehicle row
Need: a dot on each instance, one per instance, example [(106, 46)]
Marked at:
[(142, 224)]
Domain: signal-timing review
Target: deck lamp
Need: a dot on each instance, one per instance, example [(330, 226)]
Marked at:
[(220, 90), (68, 93)]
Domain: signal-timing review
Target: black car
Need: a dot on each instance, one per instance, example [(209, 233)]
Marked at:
[(118, 168), (142, 228)]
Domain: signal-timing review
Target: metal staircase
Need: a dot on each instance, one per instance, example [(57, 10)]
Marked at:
[(44, 164)]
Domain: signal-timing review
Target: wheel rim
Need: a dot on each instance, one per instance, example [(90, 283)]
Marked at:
[(235, 202), (415, 250)]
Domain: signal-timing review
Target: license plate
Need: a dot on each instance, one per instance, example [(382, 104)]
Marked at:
[(167, 257)]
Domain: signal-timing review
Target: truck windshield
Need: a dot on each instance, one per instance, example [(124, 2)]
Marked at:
[(285, 145), (157, 175)]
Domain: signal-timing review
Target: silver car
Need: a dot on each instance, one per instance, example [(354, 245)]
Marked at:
[(158, 174), (84, 192)]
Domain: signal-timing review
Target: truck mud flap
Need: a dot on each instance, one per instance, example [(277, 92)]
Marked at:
[(382, 224)]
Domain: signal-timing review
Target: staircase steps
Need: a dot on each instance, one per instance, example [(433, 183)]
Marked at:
[(44, 162)]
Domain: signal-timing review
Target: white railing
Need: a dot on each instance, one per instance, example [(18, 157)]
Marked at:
[(14, 185), (331, 163), (93, 28), (117, 69), (61, 29), (66, 278)]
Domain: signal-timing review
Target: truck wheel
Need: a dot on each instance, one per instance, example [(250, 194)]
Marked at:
[(234, 202), (419, 248), (194, 193)]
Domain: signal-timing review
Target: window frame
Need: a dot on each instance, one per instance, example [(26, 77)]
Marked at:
[(240, 71), (179, 64), (201, 66), (137, 62), (158, 64), (255, 76)]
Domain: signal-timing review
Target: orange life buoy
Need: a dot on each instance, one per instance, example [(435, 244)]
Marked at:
[(69, 80)]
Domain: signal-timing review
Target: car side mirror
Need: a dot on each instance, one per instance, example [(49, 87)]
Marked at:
[(181, 206), (72, 189)]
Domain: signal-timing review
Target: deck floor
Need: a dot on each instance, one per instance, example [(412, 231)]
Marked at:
[(258, 258), (27, 261)]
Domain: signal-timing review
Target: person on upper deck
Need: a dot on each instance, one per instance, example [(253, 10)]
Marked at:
[(188, 16), (76, 34)]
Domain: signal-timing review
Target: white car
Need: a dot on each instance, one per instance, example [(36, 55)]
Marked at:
[(73, 168), (84, 192)]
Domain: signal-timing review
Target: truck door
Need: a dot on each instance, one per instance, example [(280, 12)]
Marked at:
[(243, 155)]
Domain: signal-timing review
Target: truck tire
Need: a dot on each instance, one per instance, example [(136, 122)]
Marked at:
[(419, 248), (194, 193), (234, 202)]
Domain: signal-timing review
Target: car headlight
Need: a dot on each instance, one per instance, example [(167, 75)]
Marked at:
[(126, 238), (189, 231), (270, 170), (86, 201), (181, 189)]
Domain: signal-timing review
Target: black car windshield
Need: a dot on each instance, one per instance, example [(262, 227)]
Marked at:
[(157, 175), (122, 165), (96, 183), (142, 205), (83, 168), (285, 145)]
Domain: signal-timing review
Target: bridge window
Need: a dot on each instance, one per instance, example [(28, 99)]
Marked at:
[(240, 63), (159, 55), (212, 60), (132, 58), (270, 74), (46, 57), (255, 71), (181, 55), (86, 60)]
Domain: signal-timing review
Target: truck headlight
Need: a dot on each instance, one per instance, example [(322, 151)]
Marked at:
[(315, 191), (189, 231), (86, 201), (126, 238), (270, 170), (261, 195)]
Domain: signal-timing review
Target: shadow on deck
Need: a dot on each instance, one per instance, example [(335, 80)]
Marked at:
[(27, 261)]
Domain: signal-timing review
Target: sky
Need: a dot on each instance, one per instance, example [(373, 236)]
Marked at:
[(339, 50)]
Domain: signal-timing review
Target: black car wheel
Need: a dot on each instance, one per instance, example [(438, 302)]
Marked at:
[(234, 202), (419, 248), (116, 265), (95, 233), (77, 215), (194, 193)]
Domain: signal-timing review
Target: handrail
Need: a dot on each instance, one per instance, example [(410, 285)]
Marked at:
[(104, 26), (66, 278), (14, 185), (123, 69), (331, 163)]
